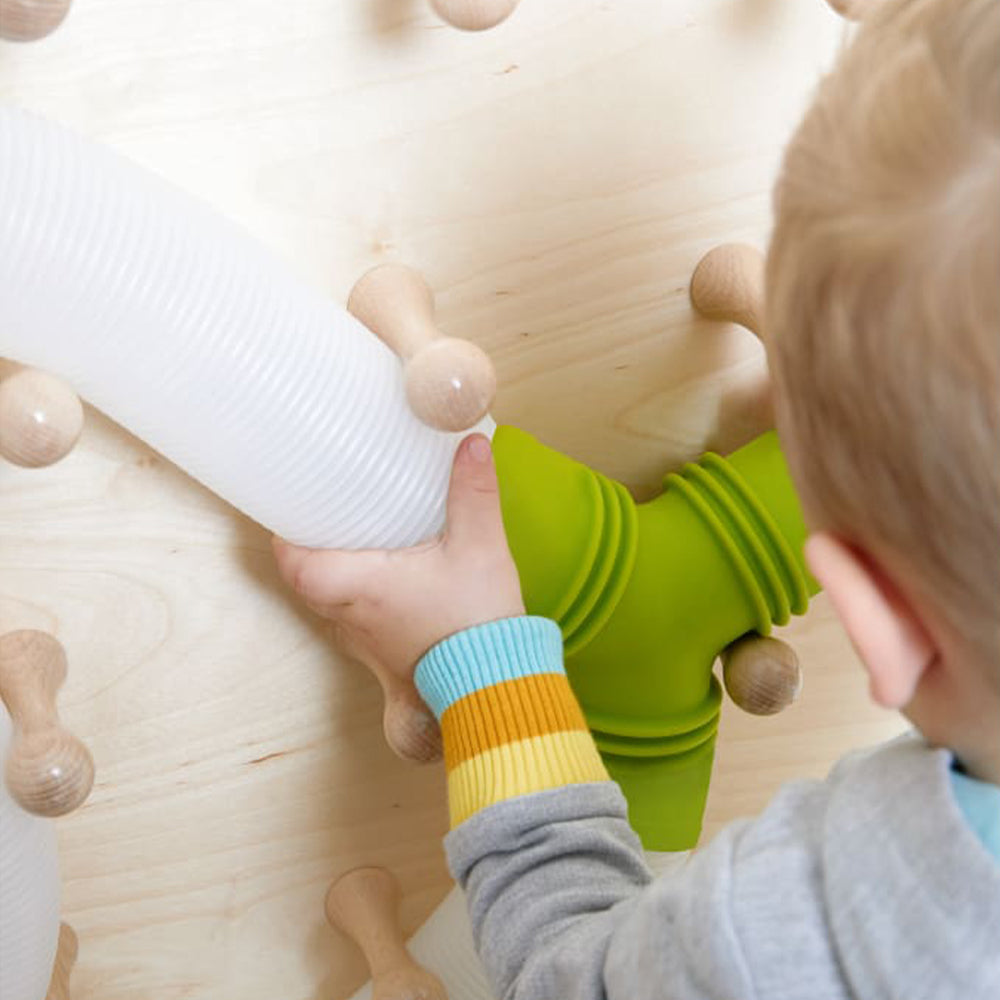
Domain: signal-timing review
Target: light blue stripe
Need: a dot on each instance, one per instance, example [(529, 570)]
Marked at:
[(485, 655), (980, 805)]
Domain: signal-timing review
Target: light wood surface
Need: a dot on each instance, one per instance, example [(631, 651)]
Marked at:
[(556, 179), (364, 904)]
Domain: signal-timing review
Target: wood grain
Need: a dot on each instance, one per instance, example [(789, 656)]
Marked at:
[(556, 178)]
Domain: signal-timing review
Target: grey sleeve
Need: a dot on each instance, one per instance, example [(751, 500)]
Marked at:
[(564, 907)]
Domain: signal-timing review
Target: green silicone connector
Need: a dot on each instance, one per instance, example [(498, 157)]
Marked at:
[(647, 596)]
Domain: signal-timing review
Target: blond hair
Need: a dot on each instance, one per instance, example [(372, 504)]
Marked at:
[(883, 305)]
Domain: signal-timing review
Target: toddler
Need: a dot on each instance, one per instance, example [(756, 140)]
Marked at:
[(883, 315)]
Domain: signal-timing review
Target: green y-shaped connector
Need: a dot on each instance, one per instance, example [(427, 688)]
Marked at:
[(647, 596)]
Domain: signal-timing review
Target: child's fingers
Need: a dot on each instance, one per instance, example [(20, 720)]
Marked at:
[(474, 497), (322, 577)]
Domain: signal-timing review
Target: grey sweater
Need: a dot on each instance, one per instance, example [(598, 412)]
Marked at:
[(867, 885)]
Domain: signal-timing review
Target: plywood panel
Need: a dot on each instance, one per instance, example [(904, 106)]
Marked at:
[(556, 179)]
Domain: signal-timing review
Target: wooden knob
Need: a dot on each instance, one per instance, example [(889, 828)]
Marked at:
[(474, 15), (364, 904), (49, 771), (853, 10), (29, 20), (66, 954), (409, 726), (728, 285), (450, 383), (762, 675), (40, 418)]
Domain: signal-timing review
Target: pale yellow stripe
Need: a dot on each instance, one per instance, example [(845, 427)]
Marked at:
[(520, 768)]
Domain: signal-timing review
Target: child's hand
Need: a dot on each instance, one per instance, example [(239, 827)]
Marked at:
[(390, 607)]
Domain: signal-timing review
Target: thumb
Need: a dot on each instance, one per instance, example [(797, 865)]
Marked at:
[(474, 496), (321, 576)]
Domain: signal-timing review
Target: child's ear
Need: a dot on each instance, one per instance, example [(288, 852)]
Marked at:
[(883, 627)]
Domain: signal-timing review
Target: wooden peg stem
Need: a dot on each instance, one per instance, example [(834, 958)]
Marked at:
[(29, 20), (49, 771), (450, 383), (66, 954), (762, 674), (40, 418), (364, 904), (728, 285), (474, 15)]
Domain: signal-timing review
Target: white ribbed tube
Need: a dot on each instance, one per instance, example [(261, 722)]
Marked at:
[(193, 337), (29, 894)]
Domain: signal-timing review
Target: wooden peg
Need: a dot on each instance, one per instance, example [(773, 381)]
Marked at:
[(40, 418), (450, 383), (762, 674), (29, 20), (364, 904), (49, 771), (852, 10), (728, 285), (68, 949), (474, 15), (409, 725)]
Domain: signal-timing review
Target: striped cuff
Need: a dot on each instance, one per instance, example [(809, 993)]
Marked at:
[(510, 722)]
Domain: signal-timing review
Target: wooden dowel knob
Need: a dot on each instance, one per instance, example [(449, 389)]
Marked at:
[(29, 20), (409, 726), (762, 674), (728, 285), (66, 954), (49, 771), (450, 383), (364, 904), (474, 15), (853, 10), (40, 418)]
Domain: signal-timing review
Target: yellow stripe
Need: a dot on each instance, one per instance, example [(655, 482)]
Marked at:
[(508, 712), (530, 765)]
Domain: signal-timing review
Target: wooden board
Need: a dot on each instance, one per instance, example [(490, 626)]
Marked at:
[(557, 179)]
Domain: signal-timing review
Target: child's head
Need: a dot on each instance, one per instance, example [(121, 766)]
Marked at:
[(883, 313)]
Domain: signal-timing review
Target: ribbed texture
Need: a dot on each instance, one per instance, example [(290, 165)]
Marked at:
[(522, 768), (181, 328), (509, 720), (29, 894), (507, 713), (487, 654), (742, 525)]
